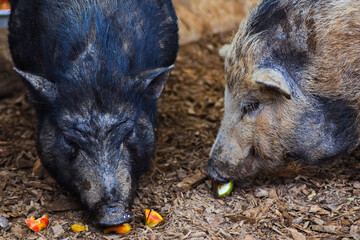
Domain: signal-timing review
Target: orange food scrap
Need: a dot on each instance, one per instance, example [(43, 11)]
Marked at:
[(4, 5), (121, 229), (38, 224), (152, 218), (79, 227)]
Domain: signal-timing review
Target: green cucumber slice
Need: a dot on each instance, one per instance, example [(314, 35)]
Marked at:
[(223, 189)]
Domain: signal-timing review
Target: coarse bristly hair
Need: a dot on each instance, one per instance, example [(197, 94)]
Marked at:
[(94, 70), (93, 46), (300, 36), (313, 49)]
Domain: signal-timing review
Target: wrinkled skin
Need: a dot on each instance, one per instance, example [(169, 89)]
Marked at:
[(292, 82), (99, 156), (94, 71)]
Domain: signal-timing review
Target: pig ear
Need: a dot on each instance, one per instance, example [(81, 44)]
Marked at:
[(154, 81), (39, 86), (270, 78)]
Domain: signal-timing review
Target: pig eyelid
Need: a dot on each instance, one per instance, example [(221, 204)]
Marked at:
[(71, 143), (249, 107), (120, 123), (74, 148)]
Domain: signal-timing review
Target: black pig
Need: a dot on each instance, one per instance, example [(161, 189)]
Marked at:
[(94, 71), (292, 88)]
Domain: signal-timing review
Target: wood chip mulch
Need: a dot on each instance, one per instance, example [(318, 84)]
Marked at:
[(315, 204)]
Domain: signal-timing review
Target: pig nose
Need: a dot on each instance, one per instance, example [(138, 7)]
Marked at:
[(211, 172), (112, 215)]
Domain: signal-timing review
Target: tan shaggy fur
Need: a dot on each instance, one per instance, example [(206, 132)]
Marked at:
[(317, 44)]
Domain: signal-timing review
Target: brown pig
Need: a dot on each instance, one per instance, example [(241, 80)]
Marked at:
[(292, 88)]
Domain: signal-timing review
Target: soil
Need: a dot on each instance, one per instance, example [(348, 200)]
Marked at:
[(309, 204)]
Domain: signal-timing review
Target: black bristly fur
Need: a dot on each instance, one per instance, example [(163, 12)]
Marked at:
[(96, 135), (48, 35)]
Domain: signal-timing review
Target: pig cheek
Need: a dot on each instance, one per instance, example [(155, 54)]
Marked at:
[(46, 145), (89, 190), (267, 135), (247, 162), (86, 182)]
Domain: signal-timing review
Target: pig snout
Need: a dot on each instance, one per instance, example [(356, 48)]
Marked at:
[(211, 172), (114, 207), (216, 162), (229, 159), (113, 214), (107, 193)]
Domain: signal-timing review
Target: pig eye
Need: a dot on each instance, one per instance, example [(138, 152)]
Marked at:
[(250, 107), (74, 148), (74, 152)]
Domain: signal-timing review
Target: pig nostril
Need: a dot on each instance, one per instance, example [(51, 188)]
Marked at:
[(252, 151)]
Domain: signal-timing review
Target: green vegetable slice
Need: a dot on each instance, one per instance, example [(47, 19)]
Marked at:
[(221, 190)]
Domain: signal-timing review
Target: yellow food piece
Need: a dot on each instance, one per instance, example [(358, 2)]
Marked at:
[(79, 227)]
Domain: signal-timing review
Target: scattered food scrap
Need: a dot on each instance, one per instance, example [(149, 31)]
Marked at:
[(79, 227), (4, 5), (312, 195), (120, 229), (38, 224), (222, 189), (152, 218)]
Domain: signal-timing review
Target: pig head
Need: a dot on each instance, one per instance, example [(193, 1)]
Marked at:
[(286, 97), (98, 148)]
